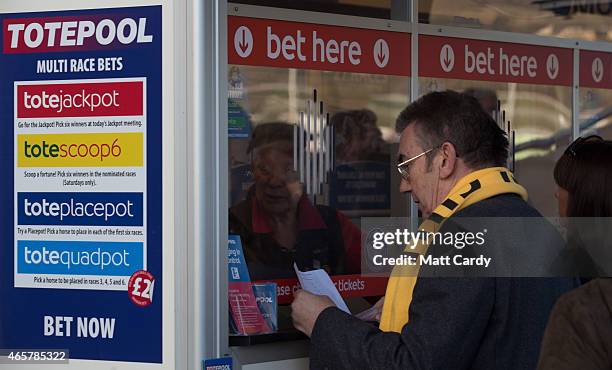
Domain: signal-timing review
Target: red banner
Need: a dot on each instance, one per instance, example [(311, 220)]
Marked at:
[(271, 43), (466, 59), (347, 285), (596, 69), (80, 99)]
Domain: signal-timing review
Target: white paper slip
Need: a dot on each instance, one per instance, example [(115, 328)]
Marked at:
[(318, 282)]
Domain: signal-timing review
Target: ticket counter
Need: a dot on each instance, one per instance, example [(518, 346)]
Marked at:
[(294, 66), (255, 135)]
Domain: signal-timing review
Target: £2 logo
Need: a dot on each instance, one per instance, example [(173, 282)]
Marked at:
[(140, 288)]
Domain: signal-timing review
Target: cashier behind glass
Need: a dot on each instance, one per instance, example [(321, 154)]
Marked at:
[(277, 223)]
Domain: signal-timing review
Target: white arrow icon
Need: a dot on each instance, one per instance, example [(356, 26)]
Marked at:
[(552, 66), (243, 41), (447, 58), (381, 53), (597, 69)]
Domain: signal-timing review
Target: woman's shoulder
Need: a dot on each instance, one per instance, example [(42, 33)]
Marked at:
[(579, 332), (588, 309), (597, 291), (590, 291)]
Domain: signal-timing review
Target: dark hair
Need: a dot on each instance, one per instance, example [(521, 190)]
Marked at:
[(459, 119), (270, 132), (357, 125), (586, 174), (486, 97)]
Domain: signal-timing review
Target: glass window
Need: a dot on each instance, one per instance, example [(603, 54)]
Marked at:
[(382, 9), (540, 116), (596, 112), (595, 93), (312, 146), (583, 20), (281, 217)]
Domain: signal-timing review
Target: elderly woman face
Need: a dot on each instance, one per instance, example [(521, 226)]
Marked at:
[(277, 187)]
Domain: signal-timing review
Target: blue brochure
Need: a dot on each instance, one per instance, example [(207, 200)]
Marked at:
[(265, 295)]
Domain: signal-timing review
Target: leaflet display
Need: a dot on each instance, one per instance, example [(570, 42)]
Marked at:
[(72, 229)]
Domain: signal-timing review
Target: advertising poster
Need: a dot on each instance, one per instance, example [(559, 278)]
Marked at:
[(81, 194)]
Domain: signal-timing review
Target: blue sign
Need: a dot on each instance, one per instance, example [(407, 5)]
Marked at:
[(237, 269), (75, 228), (99, 208), (79, 258), (223, 363), (241, 181), (238, 120)]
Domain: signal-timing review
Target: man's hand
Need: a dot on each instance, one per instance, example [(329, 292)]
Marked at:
[(373, 313), (306, 308)]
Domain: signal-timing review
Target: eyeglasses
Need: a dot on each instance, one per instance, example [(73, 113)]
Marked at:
[(403, 167), (576, 144)]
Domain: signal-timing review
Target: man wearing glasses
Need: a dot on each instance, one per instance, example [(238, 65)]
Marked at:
[(451, 159)]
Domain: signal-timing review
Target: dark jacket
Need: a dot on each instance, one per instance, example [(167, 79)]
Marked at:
[(455, 323), (579, 333)]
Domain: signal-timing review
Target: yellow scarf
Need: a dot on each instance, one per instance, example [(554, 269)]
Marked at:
[(473, 188)]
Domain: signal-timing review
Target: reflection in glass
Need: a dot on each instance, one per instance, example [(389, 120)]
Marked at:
[(361, 182), (541, 118), (583, 20), (278, 222), (279, 225), (596, 112)]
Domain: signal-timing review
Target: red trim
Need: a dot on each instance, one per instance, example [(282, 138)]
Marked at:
[(467, 59), (595, 69), (285, 44), (348, 286)]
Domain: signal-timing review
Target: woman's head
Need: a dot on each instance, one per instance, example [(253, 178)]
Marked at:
[(584, 178), (357, 134)]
